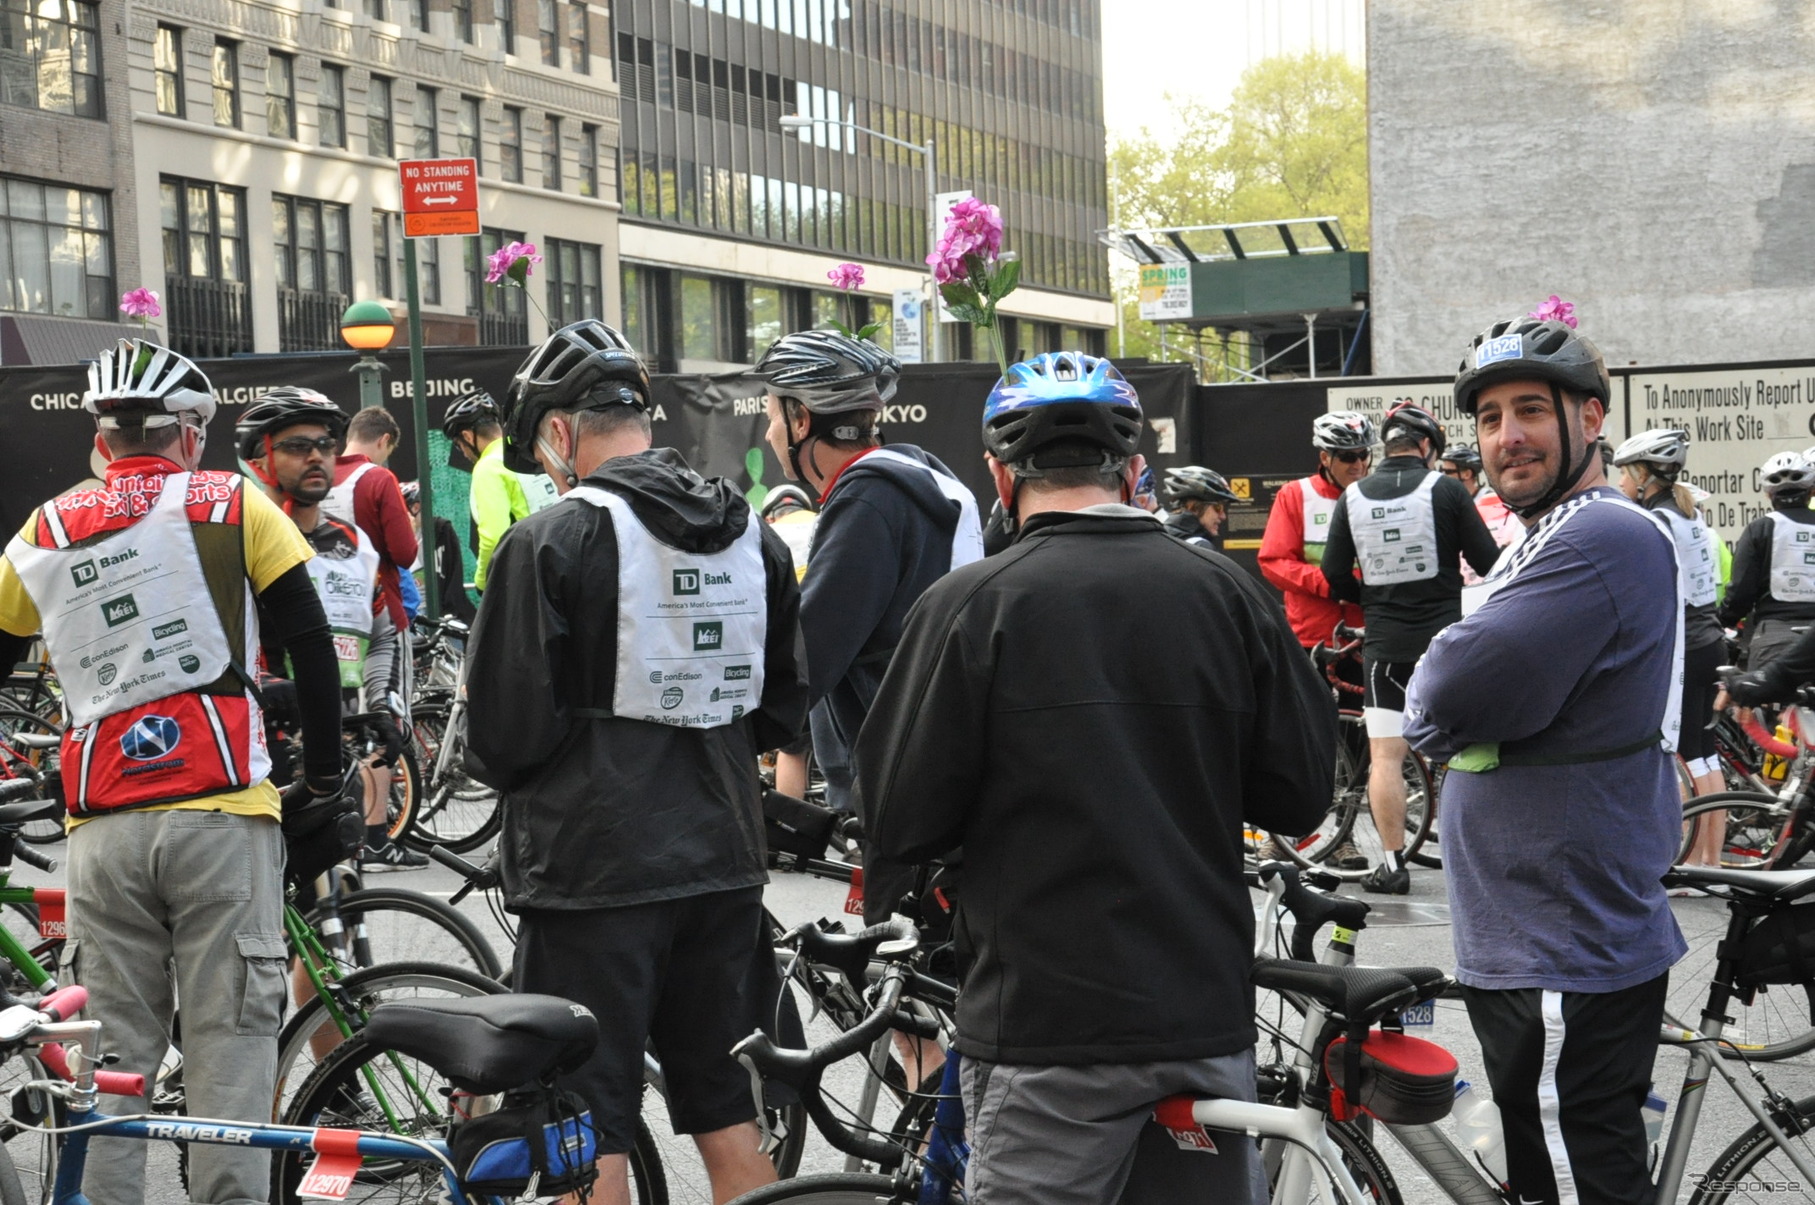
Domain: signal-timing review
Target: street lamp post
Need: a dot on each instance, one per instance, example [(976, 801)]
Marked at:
[(367, 327), (929, 153)]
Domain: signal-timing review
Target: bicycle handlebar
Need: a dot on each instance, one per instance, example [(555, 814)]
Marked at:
[(1311, 910), (478, 878), (16, 788), (32, 857), (112, 1083)]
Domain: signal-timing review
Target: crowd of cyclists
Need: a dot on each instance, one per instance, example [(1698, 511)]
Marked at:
[(982, 688)]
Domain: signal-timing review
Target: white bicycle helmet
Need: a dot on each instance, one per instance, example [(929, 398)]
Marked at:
[(1666, 450), (1342, 431), (1786, 472), (152, 383)]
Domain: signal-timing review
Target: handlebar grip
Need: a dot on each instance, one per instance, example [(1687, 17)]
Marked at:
[(64, 1003), (32, 857), (455, 862), (120, 1083), (17, 788)]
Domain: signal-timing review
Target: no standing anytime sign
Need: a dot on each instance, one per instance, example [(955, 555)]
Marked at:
[(440, 196)]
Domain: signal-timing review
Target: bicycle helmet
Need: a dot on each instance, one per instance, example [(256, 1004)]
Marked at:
[(1463, 456), (1195, 483), (786, 498), (154, 384), (1786, 473), (412, 492), (1665, 451), (285, 406), (468, 411), (1421, 423), (829, 373), (585, 365), (1078, 402), (1342, 431)]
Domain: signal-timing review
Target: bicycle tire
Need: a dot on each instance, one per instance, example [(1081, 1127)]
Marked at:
[(338, 1083), (428, 731), (45, 764), (841, 1188), (32, 1156), (393, 941), (1429, 854), (462, 813), (1349, 805), (1753, 820), (12, 1191), (1751, 1168), (1780, 1021), (1365, 1164)]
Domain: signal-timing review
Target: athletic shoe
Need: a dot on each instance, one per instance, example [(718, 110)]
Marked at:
[(1388, 881), (1347, 857), (1270, 851), (392, 856)]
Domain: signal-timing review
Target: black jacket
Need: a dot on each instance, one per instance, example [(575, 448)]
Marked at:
[(1402, 618), (606, 812), (1749, 590), (884, 535), (1183, 525), (1091, 715)]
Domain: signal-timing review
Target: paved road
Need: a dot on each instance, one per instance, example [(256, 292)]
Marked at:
[(1406, 931)]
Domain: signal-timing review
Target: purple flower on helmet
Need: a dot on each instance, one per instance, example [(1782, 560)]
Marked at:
[(512, 261), (142, 304), (1556, 310), (846, 276)]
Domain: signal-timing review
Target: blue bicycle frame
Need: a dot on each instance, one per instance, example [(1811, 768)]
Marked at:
[(947, 1150)]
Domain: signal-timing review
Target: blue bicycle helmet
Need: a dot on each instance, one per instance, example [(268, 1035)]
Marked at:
[(1081, 403)]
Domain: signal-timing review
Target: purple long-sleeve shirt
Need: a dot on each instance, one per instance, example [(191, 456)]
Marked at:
[(1555, 871)]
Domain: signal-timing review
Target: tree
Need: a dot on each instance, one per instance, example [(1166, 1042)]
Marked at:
[(1292, 143)]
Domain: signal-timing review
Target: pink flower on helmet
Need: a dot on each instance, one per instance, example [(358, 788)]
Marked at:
[(513, 260), (846, 276), (1556, 310), (141, 303), (973, 228)]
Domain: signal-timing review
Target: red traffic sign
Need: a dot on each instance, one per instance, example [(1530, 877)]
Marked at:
[(440, 196)]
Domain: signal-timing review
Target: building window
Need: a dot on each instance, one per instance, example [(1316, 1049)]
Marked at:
[(331, 105), (375, 9), (383, 225), (466, 133), (50, 56), (226, 84), (507, 25), (589, 161), (392, 270), (701, 331), (56, 251), (503, 318), (418, 11), (428, 269), (428, 138), (313, 281), (579, 37), (548, 31), (167, 70), (280, 96), (510, 145), (551, 152), (206, 308), (378, 118), (762, 319), (463, 19), (573, 281)]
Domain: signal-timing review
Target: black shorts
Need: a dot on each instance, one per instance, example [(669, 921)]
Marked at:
[(1383, 700), (1700, 685), (679, 974)]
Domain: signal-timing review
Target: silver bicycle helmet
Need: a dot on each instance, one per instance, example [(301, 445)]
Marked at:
[(829, 373), (1665, 450), (1786, 472), (1342, 431), (154, 384)]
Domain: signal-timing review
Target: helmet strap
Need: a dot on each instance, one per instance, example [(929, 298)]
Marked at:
[(1566, 478)]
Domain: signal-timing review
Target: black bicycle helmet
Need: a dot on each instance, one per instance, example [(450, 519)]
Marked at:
[(1463, 456), (285, 406), (585, 365), (1416, 421), (468, 411), (1195, 483), (829, 373)]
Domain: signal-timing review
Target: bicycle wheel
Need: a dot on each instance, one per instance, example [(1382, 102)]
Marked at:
[(460, 812), (1428, 853), (45, 764), (842, 1189), (1755, 1168), (1753, 821), (1349, 819), (12, 1189), (1780, 1021), (387, 924), (32, 1156), (370, 1088), (309, 1035)]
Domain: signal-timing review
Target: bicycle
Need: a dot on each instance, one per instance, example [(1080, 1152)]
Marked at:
[(31, 747), (458, 812)]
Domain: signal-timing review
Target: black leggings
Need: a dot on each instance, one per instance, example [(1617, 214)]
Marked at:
[(1700, 685)]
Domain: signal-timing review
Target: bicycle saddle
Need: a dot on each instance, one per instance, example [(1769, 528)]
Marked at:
[(487, 1044), (1778, 886), (34, 740), (27, 810), (1362, 995)]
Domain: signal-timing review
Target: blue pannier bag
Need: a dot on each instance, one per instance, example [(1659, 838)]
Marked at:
[(538, 1137)]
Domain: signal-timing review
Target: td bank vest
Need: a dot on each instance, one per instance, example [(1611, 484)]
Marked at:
[(344, 572), (691, 626), (149, 621), (1395, 538), (1318, 512), (1792, 559)]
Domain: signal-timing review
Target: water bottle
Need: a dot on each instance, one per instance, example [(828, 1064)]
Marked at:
[(1654, 1116), (1478, 1126)]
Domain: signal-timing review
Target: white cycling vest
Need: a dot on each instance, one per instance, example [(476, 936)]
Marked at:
[(1792, 559), (1395, 538), (539, 491), (1696, 556), (967, 536), (346, 586), (691, 626), (1319, 510), (128, 618), (339, 502)]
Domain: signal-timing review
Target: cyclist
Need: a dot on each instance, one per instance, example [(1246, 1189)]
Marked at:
[(1198, 501), (1650, 464), (1407, 527), (1291, 548), (891, 522), (635, 654), (789, 510), (499, 497), (175, 852), (366, 494), (288, 439), (1019, 721), (1773, 583), (1554, 704), (446, 547)]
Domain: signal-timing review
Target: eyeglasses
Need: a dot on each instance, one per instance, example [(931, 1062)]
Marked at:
[(1352, 457), (298, 446), (1450, 472)]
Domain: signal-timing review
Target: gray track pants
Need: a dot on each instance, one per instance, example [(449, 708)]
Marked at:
[(190, 904)]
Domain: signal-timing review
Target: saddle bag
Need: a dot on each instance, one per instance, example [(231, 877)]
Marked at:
[(1779, 949), (794, 826), (544, 1135), (1403, 1081)]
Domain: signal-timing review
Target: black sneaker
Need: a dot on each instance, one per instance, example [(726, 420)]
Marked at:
[(392, 856), (1386, 880)]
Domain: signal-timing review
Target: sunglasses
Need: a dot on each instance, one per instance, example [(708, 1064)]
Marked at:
[(298, 446), (1352, 457), (1450, 472)]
